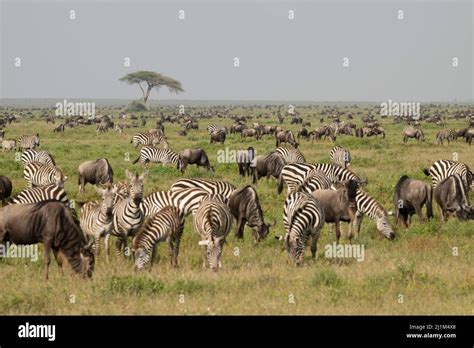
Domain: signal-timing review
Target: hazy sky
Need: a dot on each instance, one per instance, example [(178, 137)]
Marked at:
[(280, 59)]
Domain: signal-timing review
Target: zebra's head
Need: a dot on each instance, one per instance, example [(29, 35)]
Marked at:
[(135, 185), (59, 179), (384, 227), (141, 259), (108, 198), (213, 252), (294, 246)]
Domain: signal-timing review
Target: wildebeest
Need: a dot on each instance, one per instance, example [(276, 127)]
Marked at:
[(218, 137), (266, 166), (286, 137), (245, 207), (412, 132), (303, 133), (452, 197), (250, 132), (376, 130), (338, 204), (195, 156), (443, 134), (245, 159), (59, 129), (5, 188), (94, 172), (54, 225), (409, 197)]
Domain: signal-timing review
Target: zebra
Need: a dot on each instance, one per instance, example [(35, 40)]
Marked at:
[(154, 155), (167, 224), (187, 200), (40, 194), (127, 216), (212, 128), (441, 169), (220, 187), (37, 156), (447, 133), (40, 174), (96, 216), (26, 142), (149, 139), (340, 156), (295, 174), (303, 217), (290, 154), (314, 180), (368, 205), (213, 221)]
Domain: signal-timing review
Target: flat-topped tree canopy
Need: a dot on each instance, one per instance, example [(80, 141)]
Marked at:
[(152, 80)]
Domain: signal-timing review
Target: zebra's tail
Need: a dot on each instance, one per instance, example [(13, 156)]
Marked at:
[(426, 171), (138, 158)]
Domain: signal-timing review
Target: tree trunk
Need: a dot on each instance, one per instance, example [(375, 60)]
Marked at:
[(147, 94)]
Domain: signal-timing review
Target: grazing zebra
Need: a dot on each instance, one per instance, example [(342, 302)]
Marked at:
[(167, 224), (212, 128), (127, 216), (367, 205), (340, 156), (219, 187), (154, 155), (448, 134), (187, 200), (96, 216), (37, 156), (40, 174), (290, 155), (441, 169), (149, 139), (295, 173), (303, 217), (26, 142), (213, 220), (40, 194)]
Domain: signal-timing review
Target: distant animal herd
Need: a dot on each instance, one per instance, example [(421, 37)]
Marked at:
[(316, 193)]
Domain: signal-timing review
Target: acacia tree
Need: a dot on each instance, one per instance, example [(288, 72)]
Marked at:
[(147, 80)]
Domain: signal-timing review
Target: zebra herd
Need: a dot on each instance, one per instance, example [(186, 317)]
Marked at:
[(316, 194)]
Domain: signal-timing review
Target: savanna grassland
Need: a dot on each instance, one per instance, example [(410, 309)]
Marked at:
[(255, 279)]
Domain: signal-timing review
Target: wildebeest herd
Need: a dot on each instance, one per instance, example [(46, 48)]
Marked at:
[(316, 193)]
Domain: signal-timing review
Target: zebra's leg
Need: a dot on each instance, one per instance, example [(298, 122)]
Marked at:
[(177, 242), (106, 247), (95, 246), (204, 264), (239, 232)]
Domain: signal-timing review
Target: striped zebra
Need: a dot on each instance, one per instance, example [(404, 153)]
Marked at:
[(40, 174), (212, 128), (220, 187), (96, 216), (445, 134), (26, 142), (37, 156), (290, 154), (340, 156), (314, 180), (151, 154), (213, 221), (294, 174), (303, 217), (40, 194), (127, 216), (149, 139), (368, 205), (187, 200), (442, 169), (167, 224)]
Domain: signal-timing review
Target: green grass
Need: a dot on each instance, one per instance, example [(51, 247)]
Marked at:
[(258, 279)]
